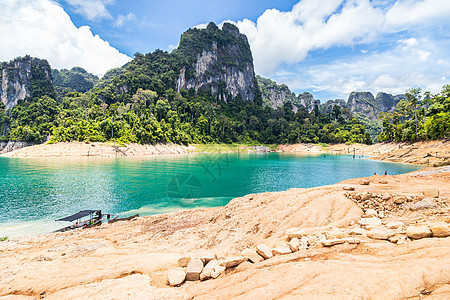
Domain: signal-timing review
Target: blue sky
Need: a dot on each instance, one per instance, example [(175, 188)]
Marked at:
[(326, 47)]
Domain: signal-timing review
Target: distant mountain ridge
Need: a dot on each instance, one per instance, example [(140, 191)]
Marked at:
[(362, 105)]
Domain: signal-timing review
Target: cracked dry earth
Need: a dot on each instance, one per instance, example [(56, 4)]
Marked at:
[(130, 260)]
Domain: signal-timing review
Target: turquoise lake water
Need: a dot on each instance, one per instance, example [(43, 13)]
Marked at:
[(35, 192)]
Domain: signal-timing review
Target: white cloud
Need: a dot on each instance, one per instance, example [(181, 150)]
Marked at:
[(287, 37), (91, 9), (43, 29), (392, 71), (122, 19), (282, 41), (406, 12)]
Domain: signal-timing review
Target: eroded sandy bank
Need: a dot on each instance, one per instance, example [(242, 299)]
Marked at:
[(79, 149), (425, 153)]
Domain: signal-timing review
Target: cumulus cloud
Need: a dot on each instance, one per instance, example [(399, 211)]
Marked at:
[(43, 29), (91, 9), (122, 19), (392, 71), (287, 37), (282, 41)]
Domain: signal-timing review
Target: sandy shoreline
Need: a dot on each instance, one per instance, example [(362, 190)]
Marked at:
[(79, 149), (431, 153)]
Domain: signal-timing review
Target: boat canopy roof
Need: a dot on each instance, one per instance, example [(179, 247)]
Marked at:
[(78, 215)]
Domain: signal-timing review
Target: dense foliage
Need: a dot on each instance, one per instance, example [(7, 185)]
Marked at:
[(418, 117), (176, 118), (76, 79)]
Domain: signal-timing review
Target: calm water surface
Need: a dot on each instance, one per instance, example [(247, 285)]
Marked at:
[(35, 192)]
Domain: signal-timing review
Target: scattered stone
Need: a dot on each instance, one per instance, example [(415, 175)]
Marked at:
[(176, 276), (194, 269), (294, 244), (383, 181), (209, 269), (402, 240), (394, 225), (207, 258), (348, 188), (232, 261), (380, 233), (252, 255), (366, 196), (281, 250), (183, 262), (364, 182), (264, 251), (219, 270), (295, 232), (371, 213), (369, 223), (399, 200), (440, 229), (329, 243), (334, 234), (357, 231), (394, 239), (385, 197), (418, 232), (426, 203), (352, 240), (304, 242), (431, 192)]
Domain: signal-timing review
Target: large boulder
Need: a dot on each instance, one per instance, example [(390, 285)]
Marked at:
[(194, 269), (252, 255), (176, 276), (264, 251), (369, 223), (209, 269), (329, 243), (418, 232), (440, 229), (380, 233), (281, 250), (371, 213), (232, 261), (431, 192), (294, 244), (183, 261), (295, 232)]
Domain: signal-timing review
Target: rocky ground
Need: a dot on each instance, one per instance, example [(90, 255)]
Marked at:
[(369, 238)]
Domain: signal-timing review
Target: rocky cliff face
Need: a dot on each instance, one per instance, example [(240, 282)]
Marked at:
[(363, 103), (387, 102), (24, 77), (307, 100), (273, 94), (219, 61)]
